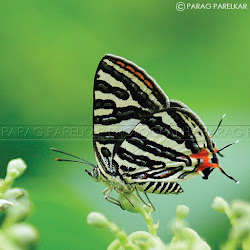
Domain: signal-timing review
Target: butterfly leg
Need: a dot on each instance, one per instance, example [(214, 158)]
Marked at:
[(150, 201), (112, 200), (122, 193), (138, 194)]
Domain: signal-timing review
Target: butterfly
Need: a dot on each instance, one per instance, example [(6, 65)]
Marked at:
[(144, 141)]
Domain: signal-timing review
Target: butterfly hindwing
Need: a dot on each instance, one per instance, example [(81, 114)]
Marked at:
[(178, 104), (159, 147), (124, 94), (160, 187)]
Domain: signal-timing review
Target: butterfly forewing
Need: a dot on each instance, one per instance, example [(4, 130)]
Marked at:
[(123, 96)]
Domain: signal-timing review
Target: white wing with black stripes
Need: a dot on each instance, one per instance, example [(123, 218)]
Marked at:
[(157, 153), (123, 95)]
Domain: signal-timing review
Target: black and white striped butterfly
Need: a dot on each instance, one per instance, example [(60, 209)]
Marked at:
[(142, 140)]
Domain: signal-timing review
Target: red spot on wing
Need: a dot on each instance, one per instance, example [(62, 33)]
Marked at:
[(204, 155)]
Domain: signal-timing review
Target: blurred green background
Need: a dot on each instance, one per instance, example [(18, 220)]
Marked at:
[(49, 53)]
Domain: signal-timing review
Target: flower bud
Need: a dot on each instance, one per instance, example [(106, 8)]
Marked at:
[(220, 205), (5, 203), (240, 209), (241, 230), (24, 235), (182, 212), (15, 193), (16, 168), (97, 219)]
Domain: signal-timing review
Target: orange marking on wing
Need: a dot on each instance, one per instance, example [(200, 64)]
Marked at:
[(204, 155), (144, 177), (120, 63), (148, 83), (116, 167), (164, 175), (140, 75), (130, 68)]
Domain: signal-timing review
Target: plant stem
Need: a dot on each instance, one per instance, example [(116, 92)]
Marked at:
[(122, 237)]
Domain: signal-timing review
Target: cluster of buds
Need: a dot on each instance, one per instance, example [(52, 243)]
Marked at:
[(184, 238), (238, 213), (14, 209)]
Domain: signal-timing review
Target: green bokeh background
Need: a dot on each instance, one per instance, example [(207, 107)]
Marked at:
[(49, 53)]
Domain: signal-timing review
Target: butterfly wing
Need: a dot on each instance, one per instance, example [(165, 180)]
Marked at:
[(159, 148), (178, 104), (159, 187), (124, 94)]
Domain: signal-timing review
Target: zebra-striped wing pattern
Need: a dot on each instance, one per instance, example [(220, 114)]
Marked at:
[(157, 153), (124, 94)]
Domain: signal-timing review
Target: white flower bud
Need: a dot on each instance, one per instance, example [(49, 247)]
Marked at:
[(97, 219), (182, 212), (24, 235), (16, 168), (15, 193), (4, 203), (241, 230), (240, 208), (220, 205)]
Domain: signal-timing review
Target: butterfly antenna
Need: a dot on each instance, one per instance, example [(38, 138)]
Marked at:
[(230, 177), (218, 151), (58, 159), (220, 154), (218, 126), (81, 160)]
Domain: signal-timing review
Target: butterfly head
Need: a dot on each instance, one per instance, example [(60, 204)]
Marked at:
[(209, 161), (208, 166), (94, 174)]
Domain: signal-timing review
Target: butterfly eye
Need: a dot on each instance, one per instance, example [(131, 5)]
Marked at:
[(95, 174), (214, 160)]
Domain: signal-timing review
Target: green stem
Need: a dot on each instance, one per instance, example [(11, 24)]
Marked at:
[(122, 237), (230, 216), (152, 228), (5, 185)]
